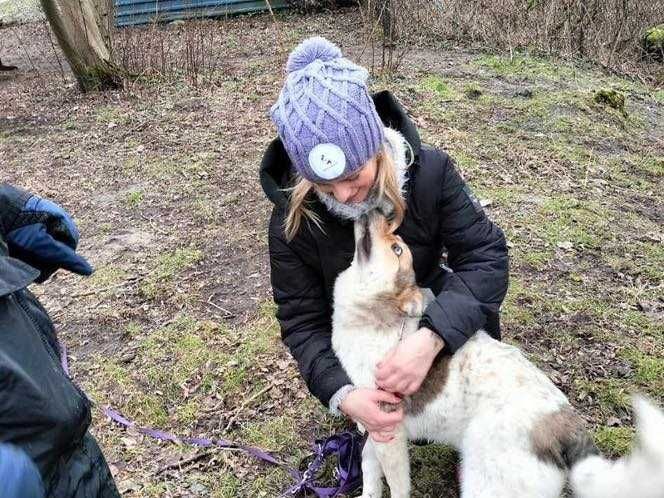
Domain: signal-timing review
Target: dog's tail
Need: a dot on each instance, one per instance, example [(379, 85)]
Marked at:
[(639, 475)]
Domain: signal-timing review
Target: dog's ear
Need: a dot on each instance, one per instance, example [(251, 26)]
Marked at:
[(411, 302)]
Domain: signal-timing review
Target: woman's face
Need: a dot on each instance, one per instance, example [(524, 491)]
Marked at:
[(356, 187)]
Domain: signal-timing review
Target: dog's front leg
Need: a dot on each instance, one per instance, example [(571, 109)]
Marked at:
[(393, 458), (372, 475)]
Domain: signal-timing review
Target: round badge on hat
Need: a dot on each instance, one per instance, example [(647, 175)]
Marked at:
[(327, 161)]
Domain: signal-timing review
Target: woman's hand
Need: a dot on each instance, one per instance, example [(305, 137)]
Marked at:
[(364, 406), (406, 365)]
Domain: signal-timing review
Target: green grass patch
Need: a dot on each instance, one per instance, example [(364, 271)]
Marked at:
[(433, 468), (648, 370), (516, 307), (565, 219), (106, 276), (658, 96), (134, 199), (652, 166), (440, 88), (526, 66), (112, 115), (147, 407), (613, 395), (169, 264), (181, 354), (640, 322), (538, 260), (160, 281), (614, 441), (277, 433)]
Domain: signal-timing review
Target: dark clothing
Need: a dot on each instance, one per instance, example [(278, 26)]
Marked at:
[(441, 214), (41, 410)]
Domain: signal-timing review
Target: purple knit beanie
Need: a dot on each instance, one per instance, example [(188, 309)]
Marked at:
[(325, 116)]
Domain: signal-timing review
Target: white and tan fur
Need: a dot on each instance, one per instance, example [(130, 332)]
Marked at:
[(511, 425)]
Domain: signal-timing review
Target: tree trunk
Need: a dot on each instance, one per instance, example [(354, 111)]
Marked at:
[(84, 42)]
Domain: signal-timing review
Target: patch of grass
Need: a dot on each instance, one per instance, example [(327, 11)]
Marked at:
[(613, 395), (280, 432), (168, 265), (658, 95), (182, 354), (614, 441), (441, 89), (652, 165), (226, 485), (526, 66), (648, 370), (133, 330), (514, 308), (640, 322), (106, 276), (134, 199), (148, 408), (567, 219), (271, 482), (204, 210), (433, 468), (171, 263), (193, 168), (537, 259), (110, 114)]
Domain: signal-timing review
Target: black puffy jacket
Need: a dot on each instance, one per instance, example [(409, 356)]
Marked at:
[(442, 213), (41, 410)]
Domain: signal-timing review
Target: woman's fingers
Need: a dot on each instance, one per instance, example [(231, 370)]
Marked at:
[(387, 397)]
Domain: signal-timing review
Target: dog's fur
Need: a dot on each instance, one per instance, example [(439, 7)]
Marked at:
[(517, 434)]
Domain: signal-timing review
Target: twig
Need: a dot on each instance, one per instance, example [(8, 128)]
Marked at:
[(55, 51), (229, 314), (104, 289), (238, 410), (188, 461)]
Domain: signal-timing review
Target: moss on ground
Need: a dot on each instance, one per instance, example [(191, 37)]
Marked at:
[(614, 441)]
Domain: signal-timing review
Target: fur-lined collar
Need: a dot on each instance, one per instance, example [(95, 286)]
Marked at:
[(396, 146)]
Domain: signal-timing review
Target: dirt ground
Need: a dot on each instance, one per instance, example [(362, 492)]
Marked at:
[(176, 328)]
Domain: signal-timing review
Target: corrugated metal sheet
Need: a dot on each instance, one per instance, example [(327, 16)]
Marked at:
[(131, 12)]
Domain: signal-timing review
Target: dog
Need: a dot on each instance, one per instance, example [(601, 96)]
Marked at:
[(516, 432)]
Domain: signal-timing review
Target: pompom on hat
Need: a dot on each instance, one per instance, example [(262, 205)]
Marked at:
[(325, 117)]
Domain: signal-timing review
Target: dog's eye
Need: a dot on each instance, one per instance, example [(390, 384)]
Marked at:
[(397, 249)]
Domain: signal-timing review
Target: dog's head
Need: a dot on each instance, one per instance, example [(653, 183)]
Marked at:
[(385, 264)]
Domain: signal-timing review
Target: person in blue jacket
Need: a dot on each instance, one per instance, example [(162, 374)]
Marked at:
[(44, 416)]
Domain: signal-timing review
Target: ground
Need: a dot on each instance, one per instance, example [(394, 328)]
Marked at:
[(176, 327)]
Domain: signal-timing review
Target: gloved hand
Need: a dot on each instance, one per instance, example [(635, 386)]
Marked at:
[(44, 236)]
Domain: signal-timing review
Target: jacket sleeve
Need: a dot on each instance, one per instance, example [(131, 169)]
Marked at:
[(12, 200), (304, 314), (477, 254)]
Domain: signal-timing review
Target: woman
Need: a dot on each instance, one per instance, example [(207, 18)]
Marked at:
[(341, 153)]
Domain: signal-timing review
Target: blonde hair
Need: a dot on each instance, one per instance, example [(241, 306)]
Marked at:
[(386, 184)]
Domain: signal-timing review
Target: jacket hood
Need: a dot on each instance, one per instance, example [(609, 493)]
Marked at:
[(275, 170)]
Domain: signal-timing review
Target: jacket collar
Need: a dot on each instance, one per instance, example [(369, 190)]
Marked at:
[(14, 274), (275, 170)]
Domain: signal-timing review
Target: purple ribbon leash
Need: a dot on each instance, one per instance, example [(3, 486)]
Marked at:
[(346, 445)]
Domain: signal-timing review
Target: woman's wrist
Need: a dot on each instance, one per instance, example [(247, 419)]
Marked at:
[(437, 342), (337, 399)]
